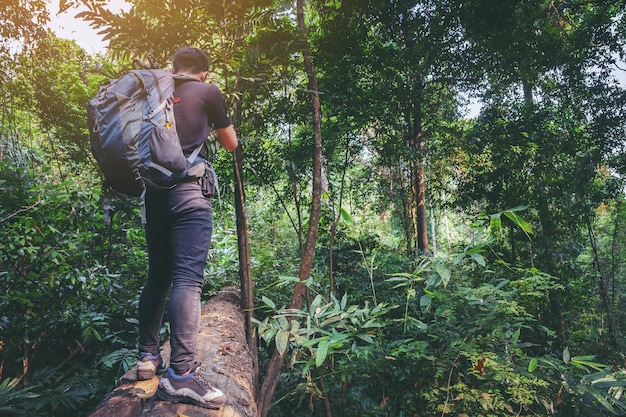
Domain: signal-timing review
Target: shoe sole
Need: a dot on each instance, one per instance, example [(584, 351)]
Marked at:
[(162, 395)]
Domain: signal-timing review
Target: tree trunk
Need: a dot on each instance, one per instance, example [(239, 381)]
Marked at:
[(433, 229), (419, 184), (422, 224), (276, 363), (549, 264), (419, 193), (222, 345), (406, 215), (245, 275)]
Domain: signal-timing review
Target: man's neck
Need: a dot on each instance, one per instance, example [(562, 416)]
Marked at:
[(199, 76)]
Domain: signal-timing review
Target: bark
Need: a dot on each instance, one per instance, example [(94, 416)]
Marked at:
[(406, 213), (245, 274), (422, 224), (418, 188), (419, 184), (222, 345), (433, 234), (276, 363)]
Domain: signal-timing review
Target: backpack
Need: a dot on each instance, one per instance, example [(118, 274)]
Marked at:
[(133, 135)]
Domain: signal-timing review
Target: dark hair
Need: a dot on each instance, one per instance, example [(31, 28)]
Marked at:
[(191, 60)]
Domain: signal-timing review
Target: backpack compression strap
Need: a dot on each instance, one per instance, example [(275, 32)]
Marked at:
[(166, 171)]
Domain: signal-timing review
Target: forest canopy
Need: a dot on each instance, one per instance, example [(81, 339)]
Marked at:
[(440, 262)]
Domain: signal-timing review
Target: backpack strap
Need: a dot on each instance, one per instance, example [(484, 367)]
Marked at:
[(163, 119), (142, 197), (194, 154), (216, 185), (142, 205), (167, 172)]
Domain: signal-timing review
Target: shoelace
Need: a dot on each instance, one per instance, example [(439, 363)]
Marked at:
[(202, 380)]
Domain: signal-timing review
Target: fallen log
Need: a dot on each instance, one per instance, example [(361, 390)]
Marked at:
[(222, 349)]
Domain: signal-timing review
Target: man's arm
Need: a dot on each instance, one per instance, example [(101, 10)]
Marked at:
[(227, 137)]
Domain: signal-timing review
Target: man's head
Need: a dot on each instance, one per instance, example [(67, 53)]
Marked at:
[(188, 60)]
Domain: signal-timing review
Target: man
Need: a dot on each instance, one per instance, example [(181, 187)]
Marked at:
[(178, 234)]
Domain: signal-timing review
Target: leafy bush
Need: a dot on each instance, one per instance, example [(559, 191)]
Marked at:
[(60, 307), (464, 339)]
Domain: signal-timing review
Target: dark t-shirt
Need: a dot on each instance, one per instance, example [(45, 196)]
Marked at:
[(198, 108)]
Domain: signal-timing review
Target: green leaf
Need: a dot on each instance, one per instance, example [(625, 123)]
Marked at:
[(445, 274), (601, 398), (418, 323), (495, 224), (346, 216), (586, 362), (344, 301), (282, 339), (366, 337), (516, 336), (433, 281), (478, 258), (321, 353), (501, 284), (532, 365), (269, 303), (283, 322), (268, 334), (330, 320), (519, 222), (566, 356), (458, 258)]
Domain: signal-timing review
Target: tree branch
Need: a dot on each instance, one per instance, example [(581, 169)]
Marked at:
[(22, 210)]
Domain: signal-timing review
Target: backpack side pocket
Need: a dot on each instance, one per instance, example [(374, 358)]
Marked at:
[(209, 181), (166, 151)]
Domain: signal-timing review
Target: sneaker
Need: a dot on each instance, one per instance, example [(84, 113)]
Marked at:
[(148, 366), (189, 389)]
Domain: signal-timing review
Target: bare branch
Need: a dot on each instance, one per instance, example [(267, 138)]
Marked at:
[(22, 210)]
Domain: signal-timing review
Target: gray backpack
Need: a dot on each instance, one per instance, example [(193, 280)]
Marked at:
[(133, 134)]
